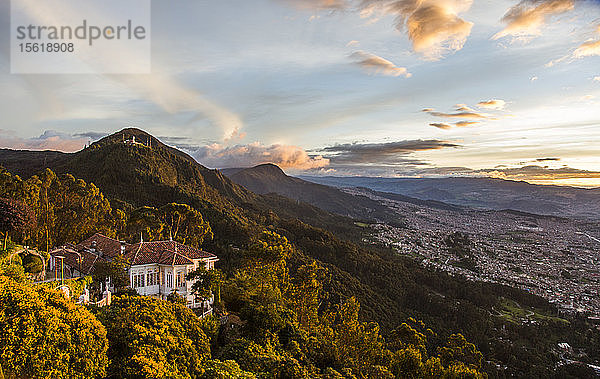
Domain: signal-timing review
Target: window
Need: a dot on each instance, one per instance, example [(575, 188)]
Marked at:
[(169, 279), (152, 277), (138, 280), (179, 279)]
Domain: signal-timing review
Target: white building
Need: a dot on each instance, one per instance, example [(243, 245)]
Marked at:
[(156, 268)]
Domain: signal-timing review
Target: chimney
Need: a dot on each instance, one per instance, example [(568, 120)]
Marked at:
[(93, 246), (122, 247)]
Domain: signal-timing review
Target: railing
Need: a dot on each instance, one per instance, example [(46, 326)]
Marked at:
[(206, 313)]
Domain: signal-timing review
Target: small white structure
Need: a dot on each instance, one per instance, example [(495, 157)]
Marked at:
[(156, 268)]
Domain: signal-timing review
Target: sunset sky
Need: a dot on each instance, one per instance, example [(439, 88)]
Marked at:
[(340, 87)]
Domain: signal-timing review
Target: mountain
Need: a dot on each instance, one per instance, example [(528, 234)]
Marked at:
[(268, 178), (389, 287), (484, 193)]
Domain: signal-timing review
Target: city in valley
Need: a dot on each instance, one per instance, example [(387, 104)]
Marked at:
[(556, 258)]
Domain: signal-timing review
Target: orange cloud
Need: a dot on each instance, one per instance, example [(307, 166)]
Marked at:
[(379, 65), (459, 124), (462, 111), (441, 125), (433, 26), (539, 173), (529, 16), (492, 104), (49, 140), (587, 49), (284, 156)]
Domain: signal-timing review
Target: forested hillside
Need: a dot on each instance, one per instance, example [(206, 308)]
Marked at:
[(294, 274)]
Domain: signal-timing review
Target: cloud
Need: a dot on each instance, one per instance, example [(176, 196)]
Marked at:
[(366, 158), (461, 111), (533, 78), (441, 125), (433, 26), (459, 124), (285, 156), (352, 43), (539, 173), (49, 140), (318, 4), (94, 136), (469, 115), (378, 65), (492, 104), (174, 97), (596, 78), (587, 49), (386, 153), (163, 90), (527, 18), (529, 173), (547, 159)]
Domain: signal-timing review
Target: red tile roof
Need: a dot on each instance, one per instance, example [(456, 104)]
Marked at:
[(109, 247), (72, 256), (161, 252), (164, 252)]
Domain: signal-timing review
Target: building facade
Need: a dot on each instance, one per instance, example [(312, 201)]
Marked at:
[(155, 269)]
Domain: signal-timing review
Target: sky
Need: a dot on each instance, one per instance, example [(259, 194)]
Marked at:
[(398, 88)]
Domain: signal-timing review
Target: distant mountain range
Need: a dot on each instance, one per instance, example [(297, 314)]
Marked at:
[(269, 178), (483, 193)]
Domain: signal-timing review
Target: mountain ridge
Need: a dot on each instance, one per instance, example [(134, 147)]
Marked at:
[(269, 178), (483, 193)]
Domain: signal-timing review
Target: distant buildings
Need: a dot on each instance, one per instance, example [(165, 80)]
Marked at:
[(156, 268), (132, 142)]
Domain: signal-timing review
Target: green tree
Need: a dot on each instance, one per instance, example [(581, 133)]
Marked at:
[(179, 222), (208, 282), (152, 338), (44, 335), (346, 342), (145, 221), (185, 224), (459, 350), (32, 264), (305, 293), (229, 369), (66, 209), (116, 270)]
